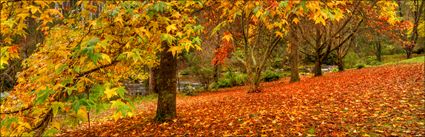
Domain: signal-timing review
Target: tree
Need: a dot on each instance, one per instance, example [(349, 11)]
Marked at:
[(341, 52), (167, 77), (333, 32), (417, 7), (258, 27), (83, 59), (339, 26), (293, 54)]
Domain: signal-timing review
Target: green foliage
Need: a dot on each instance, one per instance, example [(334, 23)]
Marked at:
[(199, 67), (7, 121), (270, 75), (359, 66), (334, 70), (351, 59), (420, 59), (222, 83), (372, 61), (42, 95), (230, 79), (50, 132)]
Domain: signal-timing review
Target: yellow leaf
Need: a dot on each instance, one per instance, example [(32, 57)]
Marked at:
[(119, 20), (130, 114), (117, 116), (338, 15), (41, 3), (171, 27), (320, 20), (176, 15), (110, 92), (82, 113), (25, 124), (106, 57), (33, 9), (295, 20), (228, 37), (3, 61), (278, 33), (175, 50)]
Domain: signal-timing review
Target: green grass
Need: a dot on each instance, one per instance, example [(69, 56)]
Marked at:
[(147, 98), (419, 59)]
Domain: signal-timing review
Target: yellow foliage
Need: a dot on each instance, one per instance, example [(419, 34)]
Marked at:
[(110, 92)]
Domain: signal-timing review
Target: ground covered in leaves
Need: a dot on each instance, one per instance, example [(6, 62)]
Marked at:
[(382, 101)]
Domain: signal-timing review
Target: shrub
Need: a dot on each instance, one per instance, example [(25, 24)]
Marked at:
[(351, 59), (269, 75), (230, 79), (334, 69), (372, 61), (359, 66), (239, 79)]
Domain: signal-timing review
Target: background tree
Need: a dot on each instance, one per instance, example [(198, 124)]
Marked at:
[(412, 11)]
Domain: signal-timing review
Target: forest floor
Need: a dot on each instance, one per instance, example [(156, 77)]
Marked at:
[(378, 101)]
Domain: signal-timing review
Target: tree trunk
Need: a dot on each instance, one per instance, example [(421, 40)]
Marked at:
[(317, 70), (216, 75), (153, 80), (293, 60), (409, 52), (255, 82), (340, 64), (378, 51), (167, 76), (216, 72)]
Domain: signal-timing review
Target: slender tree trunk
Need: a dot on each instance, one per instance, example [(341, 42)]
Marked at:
[(340, 64), (317, 70), (293, 60), (378, 52), (409, 51), (256, 80), (167, 76), (419, 9), (216, 75), (216, 72)]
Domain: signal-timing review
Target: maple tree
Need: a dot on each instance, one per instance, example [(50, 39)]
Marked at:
[(415, 7), (81, 62), (330, 36)]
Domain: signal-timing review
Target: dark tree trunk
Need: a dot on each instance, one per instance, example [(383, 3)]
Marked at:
[(167, 76), (378, 52), (409, 51), (317, 70), (293, 60), (216, 75), (153, 80)]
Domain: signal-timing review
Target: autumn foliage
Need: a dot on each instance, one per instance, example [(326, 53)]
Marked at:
[(381, 101), (88, 50)]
